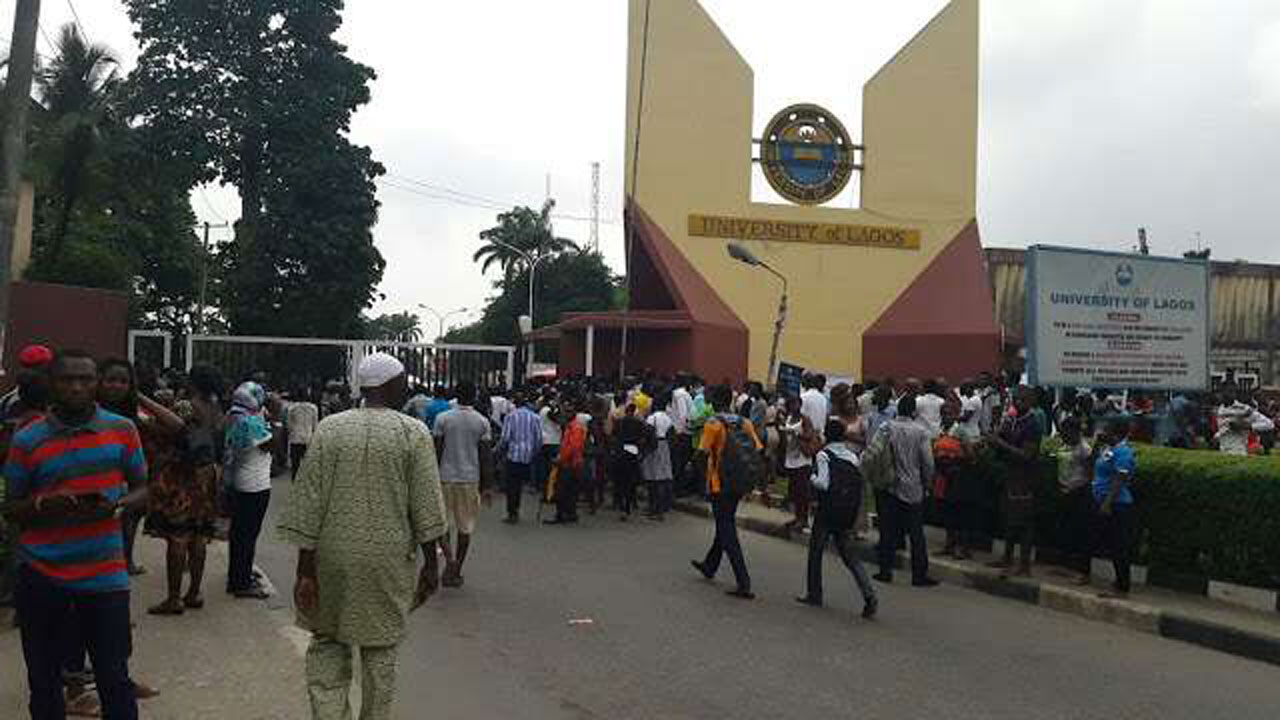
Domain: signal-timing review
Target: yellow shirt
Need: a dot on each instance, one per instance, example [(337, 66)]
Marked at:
[(642, 402)]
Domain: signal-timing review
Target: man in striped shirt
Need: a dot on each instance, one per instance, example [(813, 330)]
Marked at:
[(522, 441), (68, 479)]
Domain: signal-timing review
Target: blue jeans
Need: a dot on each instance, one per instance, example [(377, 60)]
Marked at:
[(45, 611)]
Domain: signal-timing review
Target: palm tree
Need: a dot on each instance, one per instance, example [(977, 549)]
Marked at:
[(398, 327), (521, 228), (77, 90)]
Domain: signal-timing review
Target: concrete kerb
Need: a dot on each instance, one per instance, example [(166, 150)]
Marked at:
[(1125, 613)]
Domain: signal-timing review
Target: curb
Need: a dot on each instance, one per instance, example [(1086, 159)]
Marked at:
[(1124, 613)]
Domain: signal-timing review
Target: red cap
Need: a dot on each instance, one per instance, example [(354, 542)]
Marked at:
[(34, 356)]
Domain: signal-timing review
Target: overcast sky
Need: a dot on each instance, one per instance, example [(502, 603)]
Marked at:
[(1098, 116)]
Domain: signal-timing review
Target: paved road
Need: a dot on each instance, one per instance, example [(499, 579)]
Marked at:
[(666, 644)]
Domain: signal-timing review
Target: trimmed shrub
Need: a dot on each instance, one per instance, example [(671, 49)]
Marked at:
[(1202, 514), (1209, 514)]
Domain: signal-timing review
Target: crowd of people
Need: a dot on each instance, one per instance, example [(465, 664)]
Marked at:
[(96, 453)]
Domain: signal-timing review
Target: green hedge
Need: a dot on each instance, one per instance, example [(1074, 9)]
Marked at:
[(1211, 514), (1203, 515)]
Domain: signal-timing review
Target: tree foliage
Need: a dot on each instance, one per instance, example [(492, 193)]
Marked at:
[(109, 211), (570, 281), (398, 327), (259, 94), (522, 229)]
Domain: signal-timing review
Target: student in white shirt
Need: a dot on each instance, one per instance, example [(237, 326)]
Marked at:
[(929, 408), (1236, 420), (655, 468), (798, 433)]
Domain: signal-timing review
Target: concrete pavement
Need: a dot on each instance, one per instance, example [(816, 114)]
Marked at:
[(234, 658), (1223, 626)]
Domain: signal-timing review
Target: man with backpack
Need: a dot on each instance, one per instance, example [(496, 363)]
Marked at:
[(838, 480), (734, 467)]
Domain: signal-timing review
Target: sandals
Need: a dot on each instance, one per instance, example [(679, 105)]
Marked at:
[(168, 607)]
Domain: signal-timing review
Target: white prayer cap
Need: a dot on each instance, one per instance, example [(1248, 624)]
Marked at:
[(378, 369)]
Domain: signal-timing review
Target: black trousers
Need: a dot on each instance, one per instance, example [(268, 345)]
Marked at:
[(8, 565), (45, 612), (681, 452), (823, 533), (1116, 533), (724, 509), (626, 476), (297, 451), (567, 493), (903, 519), (1074, 529), (518, 476), (247, 513)]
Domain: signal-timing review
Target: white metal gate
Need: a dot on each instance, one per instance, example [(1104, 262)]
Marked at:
[(308, 362)]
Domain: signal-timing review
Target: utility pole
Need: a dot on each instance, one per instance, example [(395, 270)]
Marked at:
[(13, 152), (594, 244), (204, 275)]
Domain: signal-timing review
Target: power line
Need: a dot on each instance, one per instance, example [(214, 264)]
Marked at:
[(447, 189), (458, 197), (443, 198), (79, 24), (53, 48)]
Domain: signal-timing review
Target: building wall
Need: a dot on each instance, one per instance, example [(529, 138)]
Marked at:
[(920, 129), (64, 317)]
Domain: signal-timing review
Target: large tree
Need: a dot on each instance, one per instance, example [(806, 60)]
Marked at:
[(259, 94)]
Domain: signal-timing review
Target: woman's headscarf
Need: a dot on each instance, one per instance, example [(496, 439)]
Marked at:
[(247, 427)]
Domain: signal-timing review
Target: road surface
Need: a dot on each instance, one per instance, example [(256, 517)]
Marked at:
[(663, 643)]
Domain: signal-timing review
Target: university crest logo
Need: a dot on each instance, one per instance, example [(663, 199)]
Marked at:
[(807, 155)]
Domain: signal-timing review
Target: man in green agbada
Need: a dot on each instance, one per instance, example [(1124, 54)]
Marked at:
[(366, 499)]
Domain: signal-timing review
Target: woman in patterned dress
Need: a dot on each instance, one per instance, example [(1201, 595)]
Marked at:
[(182, 505)]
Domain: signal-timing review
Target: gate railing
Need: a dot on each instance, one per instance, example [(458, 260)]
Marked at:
[(293, 362)]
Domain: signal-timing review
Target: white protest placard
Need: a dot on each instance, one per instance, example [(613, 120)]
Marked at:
[(1098, 319)]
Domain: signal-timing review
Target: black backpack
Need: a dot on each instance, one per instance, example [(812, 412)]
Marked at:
[(741, 464), (840, 503)]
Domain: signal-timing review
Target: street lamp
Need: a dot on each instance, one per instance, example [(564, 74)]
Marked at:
[(745, 256), (532, 261), (441, 318)]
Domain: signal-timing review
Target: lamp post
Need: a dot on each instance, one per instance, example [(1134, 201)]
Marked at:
[(532, 261), (745, 256), (440, 318)]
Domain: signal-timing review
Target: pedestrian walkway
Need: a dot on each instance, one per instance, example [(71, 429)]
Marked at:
[(1240, 631), (233, 659)]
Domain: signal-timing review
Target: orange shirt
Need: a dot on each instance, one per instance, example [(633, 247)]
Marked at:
[(714, 436), (573, 446)]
